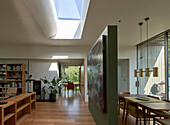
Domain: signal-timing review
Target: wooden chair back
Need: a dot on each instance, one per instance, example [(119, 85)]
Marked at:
[(10, 91), (70, 86), (166, 100), (153, 97), (124, 93)]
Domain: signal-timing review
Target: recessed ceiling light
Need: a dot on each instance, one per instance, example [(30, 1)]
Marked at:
[(60, 57)]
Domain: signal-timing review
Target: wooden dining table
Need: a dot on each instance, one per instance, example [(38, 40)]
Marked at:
[(154, 107), (151, 104)]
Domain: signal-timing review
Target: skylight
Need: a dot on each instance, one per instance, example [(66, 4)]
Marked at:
[(70, 18), (53, 67), (69, 9), (60, 57)]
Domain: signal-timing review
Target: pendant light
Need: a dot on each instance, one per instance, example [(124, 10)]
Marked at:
[(147, 69), (140, 70)]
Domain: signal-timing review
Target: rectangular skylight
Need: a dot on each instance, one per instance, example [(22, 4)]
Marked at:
[(60, 57), (53, 67), (69, 9)]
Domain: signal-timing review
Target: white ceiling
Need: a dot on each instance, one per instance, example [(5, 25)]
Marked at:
[(19, 25)]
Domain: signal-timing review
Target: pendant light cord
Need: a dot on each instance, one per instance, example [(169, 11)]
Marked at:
[(147, 19), (140, 24)]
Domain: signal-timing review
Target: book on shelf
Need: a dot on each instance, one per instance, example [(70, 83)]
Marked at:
[(15, 84), (2, 78), (2, 73), (14, 68)]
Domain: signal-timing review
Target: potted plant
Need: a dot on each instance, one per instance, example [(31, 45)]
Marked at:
[(52, 86)]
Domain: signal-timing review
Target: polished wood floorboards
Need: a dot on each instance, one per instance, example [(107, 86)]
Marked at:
[(67, 110)]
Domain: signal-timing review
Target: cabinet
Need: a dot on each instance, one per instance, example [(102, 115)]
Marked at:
[(37, 89)]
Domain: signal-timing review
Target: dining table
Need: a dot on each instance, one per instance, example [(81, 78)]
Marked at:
[(154, 107), (148, 103)]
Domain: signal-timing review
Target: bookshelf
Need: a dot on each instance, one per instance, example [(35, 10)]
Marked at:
[(15, 74), (18, 109)]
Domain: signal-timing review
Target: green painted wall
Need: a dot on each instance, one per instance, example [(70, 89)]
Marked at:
[(111, 115)]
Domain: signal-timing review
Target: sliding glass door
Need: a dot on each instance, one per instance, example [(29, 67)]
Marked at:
[(151, 54)]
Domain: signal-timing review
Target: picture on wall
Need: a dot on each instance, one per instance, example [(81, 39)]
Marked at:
[(96, 68)]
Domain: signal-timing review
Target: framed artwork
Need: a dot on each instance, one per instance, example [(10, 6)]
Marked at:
[(96, 68)]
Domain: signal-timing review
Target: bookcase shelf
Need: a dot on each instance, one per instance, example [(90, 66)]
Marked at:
[(15, 74), (6, 117), (21, 119), (22, 107), (18, 109)]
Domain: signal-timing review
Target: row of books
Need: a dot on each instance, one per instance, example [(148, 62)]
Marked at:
[(2, 69), (2, 72), (14, 68), (2, 78), (14, 74), (13, 84), (14, 79), (2, 65)]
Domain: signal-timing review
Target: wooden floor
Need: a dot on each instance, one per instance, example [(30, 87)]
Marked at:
[(130, 120), (67, 110)]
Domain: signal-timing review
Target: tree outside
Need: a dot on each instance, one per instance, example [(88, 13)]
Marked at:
[(71, 74)]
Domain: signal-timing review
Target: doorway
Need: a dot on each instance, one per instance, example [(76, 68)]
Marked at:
[(123, 75), (72, 71)]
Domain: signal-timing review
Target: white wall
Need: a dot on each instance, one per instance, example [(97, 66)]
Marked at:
[(44, 52), (40, 70), (129, 52)]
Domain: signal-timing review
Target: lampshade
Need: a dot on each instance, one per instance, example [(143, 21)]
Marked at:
[(147, 72), (135, 73), (141, 72), (155, 71)]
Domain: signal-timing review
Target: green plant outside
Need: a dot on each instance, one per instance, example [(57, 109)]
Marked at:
[(71, 74)]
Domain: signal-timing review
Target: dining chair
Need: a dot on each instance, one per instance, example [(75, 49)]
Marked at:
[(164, 114), (153, 97), (149, 112), (124, 93), (70, 86), (166, 100), (122, 104), (134, 110), (162, 121)]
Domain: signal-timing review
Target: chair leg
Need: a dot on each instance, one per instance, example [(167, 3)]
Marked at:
[(126, 118), (123, 115), (153, 120), (149, 115), (118, 110), (137, 119)]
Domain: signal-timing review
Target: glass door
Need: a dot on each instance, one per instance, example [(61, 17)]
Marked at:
[(152, 54)]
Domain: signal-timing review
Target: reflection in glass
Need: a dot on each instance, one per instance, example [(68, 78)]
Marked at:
[(156, 58)]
